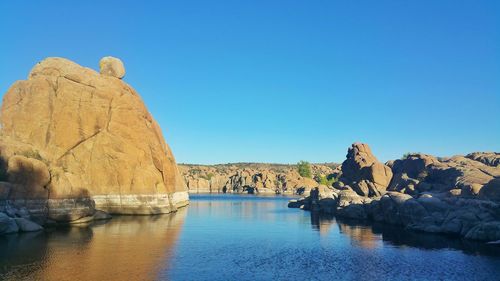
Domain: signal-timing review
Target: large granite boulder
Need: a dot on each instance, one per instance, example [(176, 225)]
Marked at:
[(491, 190), (364, 173), (458, 172), (487, 158), (457, 195), (418, 173), (74, 140), (409, 172)]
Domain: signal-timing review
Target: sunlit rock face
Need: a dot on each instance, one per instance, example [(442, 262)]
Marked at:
[(84, 141), (252, 178), (459, 195), (364, 173)]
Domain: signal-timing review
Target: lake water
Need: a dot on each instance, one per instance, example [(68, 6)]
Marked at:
[(237, 237)]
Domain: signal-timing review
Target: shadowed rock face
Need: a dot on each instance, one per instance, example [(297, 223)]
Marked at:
[(71, 137), (457, 195)]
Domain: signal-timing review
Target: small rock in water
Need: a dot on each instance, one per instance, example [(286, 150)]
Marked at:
[(23, 213), (27, 225), (10, 211), (7, 224)]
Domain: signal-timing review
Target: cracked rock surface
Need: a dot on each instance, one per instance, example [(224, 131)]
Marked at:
[(95, 139)]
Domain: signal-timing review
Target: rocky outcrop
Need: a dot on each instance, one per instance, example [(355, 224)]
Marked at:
[(252, 178), (362, 172), (13, 220), (487, 158), (74, 141), (419, 173), (457, 195)]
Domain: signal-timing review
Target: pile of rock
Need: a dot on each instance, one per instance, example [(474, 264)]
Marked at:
[(251, 178), (363, 172), (13, 220), (457, 195)]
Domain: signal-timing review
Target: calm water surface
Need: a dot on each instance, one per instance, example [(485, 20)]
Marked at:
[(235, 237)]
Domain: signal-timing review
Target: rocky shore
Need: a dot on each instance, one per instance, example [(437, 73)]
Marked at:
[(459, 195), (76, 144), (252, 178)]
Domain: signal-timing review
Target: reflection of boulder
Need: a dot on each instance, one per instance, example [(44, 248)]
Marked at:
[(138, 248), (457, 195), (361, 234), (370, 235), (72, 138)]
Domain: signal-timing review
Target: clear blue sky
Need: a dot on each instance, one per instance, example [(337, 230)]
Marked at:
[(281, 81)]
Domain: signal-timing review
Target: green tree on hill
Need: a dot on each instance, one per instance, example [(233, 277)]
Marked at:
[(326, 180), (304, 169)]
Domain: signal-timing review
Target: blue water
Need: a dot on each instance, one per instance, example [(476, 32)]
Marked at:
[(235, 237)]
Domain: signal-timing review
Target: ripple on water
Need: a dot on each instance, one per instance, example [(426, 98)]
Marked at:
[(242, 238)]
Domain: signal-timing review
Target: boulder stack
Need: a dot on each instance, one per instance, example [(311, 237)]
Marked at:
[(457, 195), (362, 172), (73, 141)]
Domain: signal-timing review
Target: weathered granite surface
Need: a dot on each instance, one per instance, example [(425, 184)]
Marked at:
[(73, 141), (252, 178), (456, 195)]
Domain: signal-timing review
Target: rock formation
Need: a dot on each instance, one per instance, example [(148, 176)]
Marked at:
[(457, 195), (112, 67), (363, 173), (251, 178), (73, 141)]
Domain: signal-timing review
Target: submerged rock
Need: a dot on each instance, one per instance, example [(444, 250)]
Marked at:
[(27, 225), (7, 224)]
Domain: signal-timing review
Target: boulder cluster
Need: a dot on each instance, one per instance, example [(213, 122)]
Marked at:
[(251, 178), (457, 195), (74, 142)]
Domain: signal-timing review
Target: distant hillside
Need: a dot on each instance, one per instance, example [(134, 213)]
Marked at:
[(252, 177)]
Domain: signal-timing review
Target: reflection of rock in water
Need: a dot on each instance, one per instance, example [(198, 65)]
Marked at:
[(361, 234), (402, 237), (21, 249), (321, 222), (368, 235), (126, 248)]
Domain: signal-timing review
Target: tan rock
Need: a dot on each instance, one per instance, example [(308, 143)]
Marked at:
[(95, 136), (251, 177), (111, 66), (362, 171)]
